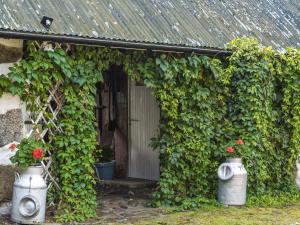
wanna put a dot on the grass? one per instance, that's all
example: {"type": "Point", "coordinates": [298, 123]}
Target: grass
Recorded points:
{"type": "Point", "coordinates": [289, 215]}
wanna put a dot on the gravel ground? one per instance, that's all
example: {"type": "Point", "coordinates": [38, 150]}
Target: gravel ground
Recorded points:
{"type": "Point", "coordinates": [117, 205]}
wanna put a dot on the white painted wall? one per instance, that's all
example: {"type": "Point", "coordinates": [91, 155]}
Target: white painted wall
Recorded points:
{"type": "Point", "coordinates": [4, 67]}
{"type": "Point", "coordinates": [7, 101]}
{"type": "Point", "coordinates": [12, 42]}
{"type": "Point", "coordinates": [6, 153]}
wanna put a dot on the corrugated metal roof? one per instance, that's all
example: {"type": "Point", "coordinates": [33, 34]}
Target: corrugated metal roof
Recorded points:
{"type": "Point", "coordinates": [201, 23]}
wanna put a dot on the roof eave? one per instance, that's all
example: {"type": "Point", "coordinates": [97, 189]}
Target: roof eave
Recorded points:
{"type": "Point", "coordinates": [112, 43]}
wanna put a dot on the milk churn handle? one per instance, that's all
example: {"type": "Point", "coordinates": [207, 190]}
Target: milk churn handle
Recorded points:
{"type": "Point", "coordinates": [225, 172]}
{"type": "Point", "coordinates": [17, 176]}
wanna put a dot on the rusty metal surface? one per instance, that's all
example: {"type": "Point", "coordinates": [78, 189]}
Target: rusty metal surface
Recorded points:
{"type": "Point", "coordinates": [205, 23]}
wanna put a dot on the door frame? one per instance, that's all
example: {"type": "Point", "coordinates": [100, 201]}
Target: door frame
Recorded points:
{"type": "Point", "coordinates": [129, 80]}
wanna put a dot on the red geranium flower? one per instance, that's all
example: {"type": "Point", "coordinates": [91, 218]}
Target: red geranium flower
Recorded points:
{"type": "Point", "coordinates": [239, 142]}
{"type": "Point", "coordinates": [230, 149]}
{"type": "Point", "coordinates": [38, 153]}
{"type": "Point", "coordinates": [12, 146]}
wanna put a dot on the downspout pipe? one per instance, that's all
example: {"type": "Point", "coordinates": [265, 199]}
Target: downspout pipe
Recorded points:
{"type": "Point", "coordinates": [112, 43]}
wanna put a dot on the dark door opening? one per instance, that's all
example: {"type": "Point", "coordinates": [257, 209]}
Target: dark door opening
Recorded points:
{"type": "Point", "coordinates": [112, 117]}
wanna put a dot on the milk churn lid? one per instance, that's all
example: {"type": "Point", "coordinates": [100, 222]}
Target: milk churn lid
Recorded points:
{"type": "Point", "coordinates": [29, 206]}
{"type": "Point", "coordinates": [225, 172]}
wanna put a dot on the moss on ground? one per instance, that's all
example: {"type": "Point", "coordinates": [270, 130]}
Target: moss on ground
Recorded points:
{"type": "Point", "coordinates": [289, 215]}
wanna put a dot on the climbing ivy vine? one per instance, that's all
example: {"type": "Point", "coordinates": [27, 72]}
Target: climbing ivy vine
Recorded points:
{"type": "Point", "coordinates": [291, 107]}
{"type": "Point", "coordinates": [259, 109]}
{"type": "Point", "coordinates": [72, 149]}
{"type": "Point", "coordinates": [252, 75]}
{"type": "Point", "coordinates": [192, 102]}
{"type": "Point", "coordinates": [205, 102]}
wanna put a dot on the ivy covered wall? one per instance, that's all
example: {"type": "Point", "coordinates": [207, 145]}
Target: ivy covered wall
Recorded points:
{"type": "Point", "coordinates": [205, 102]}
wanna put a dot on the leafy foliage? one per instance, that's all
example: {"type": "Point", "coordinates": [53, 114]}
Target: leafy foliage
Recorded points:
{"type": "Point", "coordinates": [103, 154]}
{"type": "Point", "coordinates": [275, 198]}
{"type": "Point", "coordinates": [97, 153]}
{"type": "Point", "coordinates": [252, 73]}
{"type": "Point", "coordinates": [291, 106]}
{"type": "Point", "coordinates": [205, 102]}
{"type": "Point", "coordinates": [234, 148]}
{"type": "Point", "coordinates": [72, 150]}
{"type": "Point", "coordinates": [191, 99]}
{"type": "Point", "coordinates": [23, 157]}
{"type": "Point", "coordinates": [258, 100]}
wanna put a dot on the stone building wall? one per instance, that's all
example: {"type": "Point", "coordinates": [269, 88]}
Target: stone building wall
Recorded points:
{"type": "Point", "coordinates": [11, 117]}
{"type": "Point", "coordinates": [11, 108]}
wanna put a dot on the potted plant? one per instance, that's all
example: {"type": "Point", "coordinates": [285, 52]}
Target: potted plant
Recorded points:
{"type": "Point", "coordinates": [30, 153]}
{"type": "Point", "coordinates": [232, 176]}
{"type": "Point", "coordinates": [30, 188]}
{"type": "Point", "coordinates": [104, 163]}
{"type": "Point", "coordinates": [234, 148]}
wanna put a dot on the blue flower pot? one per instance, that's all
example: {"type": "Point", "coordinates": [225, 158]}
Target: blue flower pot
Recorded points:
{"type": "Point", "coordinates": [105, 171]}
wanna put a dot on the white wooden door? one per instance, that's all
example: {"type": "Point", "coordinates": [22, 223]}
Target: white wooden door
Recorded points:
{"type": "Point", "coordinates": [143, 125]}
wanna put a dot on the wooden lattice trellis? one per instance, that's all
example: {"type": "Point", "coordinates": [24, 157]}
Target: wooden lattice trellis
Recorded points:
{"type": "Point", "coordinates": [44, 121]}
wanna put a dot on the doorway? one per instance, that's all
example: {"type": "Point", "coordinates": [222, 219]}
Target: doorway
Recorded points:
{"type": "Point", "coordinates": [128, 117]}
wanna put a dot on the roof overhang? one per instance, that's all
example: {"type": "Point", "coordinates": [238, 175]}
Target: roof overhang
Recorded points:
{"type": "Point", "coordinates": [112, 43]}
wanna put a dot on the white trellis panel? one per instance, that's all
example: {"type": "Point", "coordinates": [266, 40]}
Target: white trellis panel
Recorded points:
{"type": "Point", "coordinates": [41, 124]}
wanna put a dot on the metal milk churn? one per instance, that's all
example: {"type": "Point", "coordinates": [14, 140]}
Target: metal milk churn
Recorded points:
{"type": "Point", "coordinates": [29, 197]}
{"type": "Point", "coordinates": [232, 182]}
